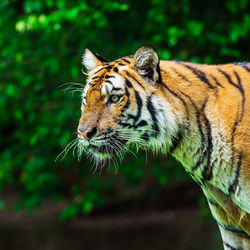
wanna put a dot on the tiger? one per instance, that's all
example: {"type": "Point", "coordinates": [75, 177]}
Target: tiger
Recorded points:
{"type": "Point", "coordinates": [198, 113]}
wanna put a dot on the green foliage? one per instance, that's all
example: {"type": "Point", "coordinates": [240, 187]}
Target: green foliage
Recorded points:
{"type": "Point", "coordinates": [40, 49]}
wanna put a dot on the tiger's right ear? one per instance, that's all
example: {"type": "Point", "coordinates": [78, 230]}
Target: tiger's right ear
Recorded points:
{"type": "Point", "coordinates": [146, 63]}
{"type": "Point", "coordinates": [91, 60]}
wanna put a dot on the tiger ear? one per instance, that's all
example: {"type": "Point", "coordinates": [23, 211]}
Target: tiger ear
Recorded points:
{"type": "Point", "coordinates": [90, 60]}
{"type": "Point", "coordinates": [146, 63]}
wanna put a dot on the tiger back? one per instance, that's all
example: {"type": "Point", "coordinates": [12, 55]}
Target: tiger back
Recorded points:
{"type": "Point", "coordinates": [198, 113]}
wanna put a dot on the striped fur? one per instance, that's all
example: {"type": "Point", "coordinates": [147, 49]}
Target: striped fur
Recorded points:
{"type": "Point", "coordinates": [198, 113]}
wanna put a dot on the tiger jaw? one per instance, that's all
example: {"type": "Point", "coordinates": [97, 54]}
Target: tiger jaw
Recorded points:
{"type": "Point", "coordinates": [117, 145]}
{"type": "Point", "coordinates": [102, 150]}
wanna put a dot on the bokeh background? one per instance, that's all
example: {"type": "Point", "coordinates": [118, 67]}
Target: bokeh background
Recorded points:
{"type": "Point", "coordinates": [150, 202]}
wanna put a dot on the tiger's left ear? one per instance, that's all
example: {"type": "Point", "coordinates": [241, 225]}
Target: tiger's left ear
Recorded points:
{"type": "Point", "coordinates": [146, 63]}
{"type": "Point", "coordinates": [90, 60]}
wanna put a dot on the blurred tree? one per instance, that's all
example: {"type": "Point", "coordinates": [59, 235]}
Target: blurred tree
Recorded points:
{"type": "Point", "coordinates": [40, 48]}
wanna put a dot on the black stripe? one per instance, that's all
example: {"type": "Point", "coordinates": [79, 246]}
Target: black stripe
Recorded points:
{"type": "Point", "coordinates": [130, 116]}
{"type": "Point", "coordinates": [129, 75]}
{"type": "Point", "coordinates": [231, 247]}
{"type": "Point", "coordinates": [235, 230]}
{"type": "Point", "coordinates": [100, 70]}
{"type": "Point", "coordinates": [176, 142]}
{"type": "Point", "coordinates": [108, 81]}
{"type": "Point", "coordinates": [125, 60]}
{"type": "Point", "coordinates": [108, 68]}
{"type": "Point", "coordinates": [100, 58]}
{"type": "Point", "coordinates": [180, 75]}
{"type": "Point", "coordinates": [159, 80]}
{"type": "Point", "coordinates": [108, 76]}
{"type": "Point", "coordinates": [200, 74]}
{"type": "Point", "coordinates": [177, 96]}
{"type": "Point", "coordinates": [124, 124]}
{"type": "Point", "coordinates": [128, 101]}
{"type": "Point", "coordinates": [139, 105]}
{"type": "Point", "coordinates": [241, 110]}
{"type": "Point", "coordinates": [232, 187]}
{"type": "Point", "coordinates": [203, 148]}
{"type": "Point", "coordinates": [246, 68]}
{"type": "Point", "coordinates": [141, 124]}
{"type": "Point", "coordinates": [207, 172]}
{"type": "Point", "coordinates": [239, 86]}
{"type": "Point", "coordinates": [216, 81]}
{"type": "Point", "coordinates": [113, 88]}
{"type": "Point", "coordinates": [236, 123]}
{"type": "Point", "coordinates": [116, 89]}
{"type": "Point", "coordinates": [241, 89]}
{"type": "Point", "coordinates": [228, 77]}
{"type": "Point", "coordinates": [145, 136]}
{"type": "Point", "coordinates": [128, 83]}
{"type": "Point", "coordinates": [212, 202]}
{"type": "Point", "coordinates": [152, 112]}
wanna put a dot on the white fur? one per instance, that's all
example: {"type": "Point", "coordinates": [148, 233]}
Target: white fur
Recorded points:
{"type": "Point", "coordinates": [89, 60]}
{"type": "Point", "coordinates": [233, 240]}
{"type": "Point", "coordinates": [167, 125]}
{"type": "Point", "coordinates": [84, 93]}
{"type": "Point", "coordinates": [116, 82]}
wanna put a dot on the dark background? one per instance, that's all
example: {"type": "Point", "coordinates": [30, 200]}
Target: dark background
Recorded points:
{"type": "Point", "coordinates": [147, 204]}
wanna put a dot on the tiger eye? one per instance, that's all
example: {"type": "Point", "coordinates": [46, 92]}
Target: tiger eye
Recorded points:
{"type": "Point", "coordinates": [114, 98]}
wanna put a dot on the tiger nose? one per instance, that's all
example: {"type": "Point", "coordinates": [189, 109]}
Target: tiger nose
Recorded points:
{"type": "Point", "coordinates": [87, 133]}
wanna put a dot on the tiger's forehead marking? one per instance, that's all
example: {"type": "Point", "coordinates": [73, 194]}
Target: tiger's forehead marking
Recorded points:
{"type": "Point", "coordinates": [106, 85]}
{"type": "Point", "coordinates": [107, 79]}
{"type": "Point", "coordinates": [113, 84]}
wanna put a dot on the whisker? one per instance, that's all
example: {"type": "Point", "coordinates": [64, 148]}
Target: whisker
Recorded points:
{"type": "Point", "coordinates": [85, 73]}
{"type": "Point", "coordinates": [66, 149]}
{"type": "Point", "coordinates": [72, 83]}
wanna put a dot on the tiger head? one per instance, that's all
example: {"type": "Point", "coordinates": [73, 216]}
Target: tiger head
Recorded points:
{"type": "Point", "coordinates": [121, 106]}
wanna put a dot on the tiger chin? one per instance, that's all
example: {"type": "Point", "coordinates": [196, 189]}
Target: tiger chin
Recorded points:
{"type": "Point", "coordinates": [198, 113]}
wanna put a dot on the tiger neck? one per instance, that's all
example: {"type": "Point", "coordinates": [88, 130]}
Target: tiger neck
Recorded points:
{"type": "Point", "coordinates": [189, 144]}
{"type": "Point", "coordinates": [180, 137]}
{"type": "Point", "coordinates": [201, 148]}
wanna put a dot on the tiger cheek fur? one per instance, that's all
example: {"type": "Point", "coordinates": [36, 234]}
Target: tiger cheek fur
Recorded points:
{"type": "Point", "coordinates": [198, 113]}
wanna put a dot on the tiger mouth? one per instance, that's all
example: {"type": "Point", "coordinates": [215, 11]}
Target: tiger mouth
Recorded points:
{"type": "Point", "coordinates": [109, 148]}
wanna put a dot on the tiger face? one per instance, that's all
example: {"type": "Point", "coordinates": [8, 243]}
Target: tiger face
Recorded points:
{"type": "Point", "coordinates": [119, 107]}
